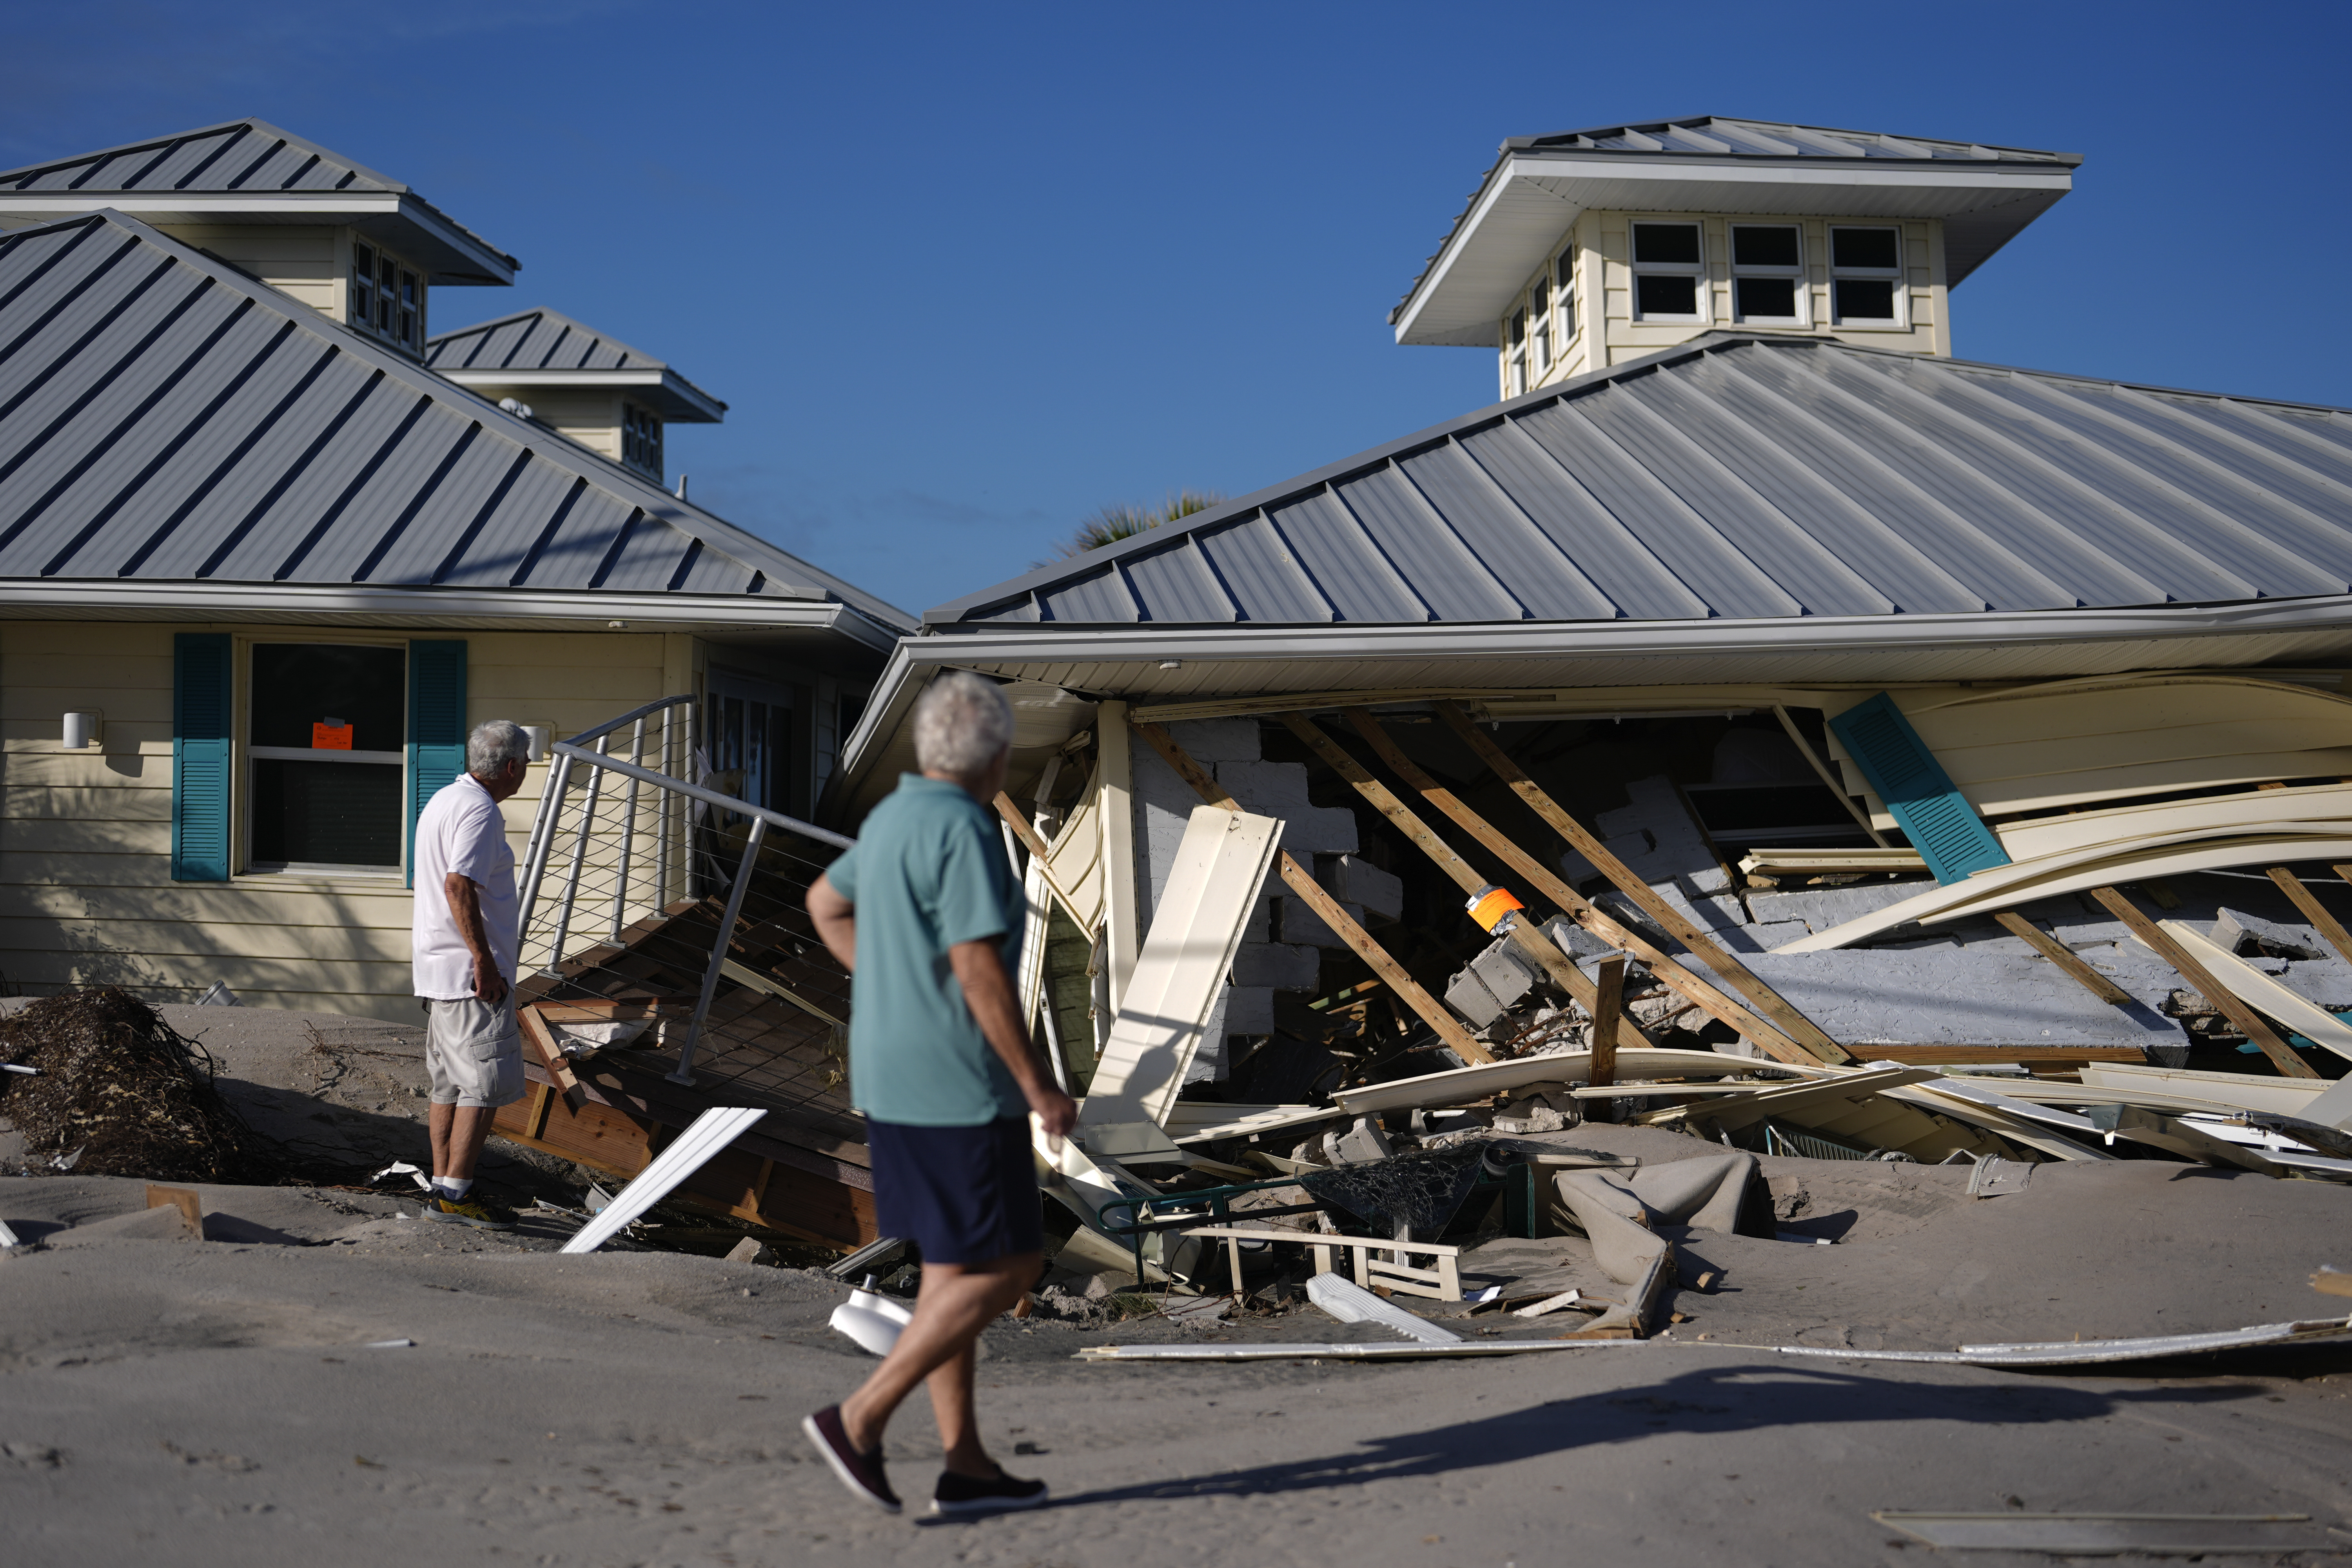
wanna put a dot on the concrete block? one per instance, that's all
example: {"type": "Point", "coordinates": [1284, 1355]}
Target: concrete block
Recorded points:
{"type": "Point", "coordinates": [1678, 848]}
{"type": "Point", "coordinates": [1354, 880]}
{"type": "Point", "coordinates": [2249, 936]}
{"type": "Point", "coordinates": [1270, 789]}
{"type": "Point", "coordinates": [1361, 1144]}
{"type": "Point", "coordinates": [1259, 927]}
{"type": "Point", "coordinates": [1770, 934]}
{"type": "Point", "coordinates": [1249, 1010]}
{"type": "Point", "coordinates": [1574, 940]}
{"type": "Point", "coordinates": [1506, 972]}
{"type": "Point", "coordinates": [1297, 922]}
{"type": "Point", "coordinates": [1471, 1001]}
{"type": "Point", "coordinates": [1952, 995]}
{"type": "Point", "coordinates": [1281, 965]}
{"type": "Point", "coordinates": [1318, 830]}
{"type": "Point", "coordinates": [1212, 741]}
{"type": "Point", "coordinates": [1821, 908]}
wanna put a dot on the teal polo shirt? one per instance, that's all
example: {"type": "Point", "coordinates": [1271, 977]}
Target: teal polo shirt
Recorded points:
{"type": "Point", "coordinates": [929, 871]}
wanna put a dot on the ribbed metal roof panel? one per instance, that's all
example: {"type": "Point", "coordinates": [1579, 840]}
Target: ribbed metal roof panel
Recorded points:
{"type": "Point", "coordinates": [537, 339]}
{"type": "Point", "coordinates": [238, 155]}
{"type": "Point", "coordinates": [1180, 583]}
{"type": "Point", "coordinates": [168, 419]}
{"type": "Point", "coordinates": [1755, 477]}
{"type": "Point", "coordinates": [1098, 596]}
{"type": "Point", "coordinates": [1715, 135]}
{"type": "Point", "coordinates": [1255, 565]}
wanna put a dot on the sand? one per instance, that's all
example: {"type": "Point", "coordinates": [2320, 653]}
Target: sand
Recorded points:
{"type": "Point", "coordinates": [218, 1401]}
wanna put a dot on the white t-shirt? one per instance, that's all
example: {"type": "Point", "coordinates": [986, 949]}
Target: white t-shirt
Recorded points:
{"type": "Point", "coordinates": [462, 830]}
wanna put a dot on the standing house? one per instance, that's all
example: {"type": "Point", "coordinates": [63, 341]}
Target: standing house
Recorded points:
{"type": "Point", "coordinates": [269, 545]}
{"type": "Point", "coordinates": [1737, 487]}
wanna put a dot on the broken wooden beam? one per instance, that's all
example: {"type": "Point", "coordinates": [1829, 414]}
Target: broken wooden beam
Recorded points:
{"type": "Point", "coordinates": [1733, 972]}
{"type": "Point", "coordinates": [1608, 986]}
{"type": "Point", "coordinates": [1432, 1011]}
{"type": "Point", "coordinates": [2307, 902]}
{"type": "Point", "coordinates": [2065, 958]}
{"type": "Point", "coordinates": [1191, 773]}
{"type": "Point", "coordinates": [1577, 907]}
{"type": "Point", "coordinates": [2201, 980]}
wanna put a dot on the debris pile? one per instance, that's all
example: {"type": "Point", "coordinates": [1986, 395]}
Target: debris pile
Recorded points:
{"type": "Point", "coordinates": [116, 1091]}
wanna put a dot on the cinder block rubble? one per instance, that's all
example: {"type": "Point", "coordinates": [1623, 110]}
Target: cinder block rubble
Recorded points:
{"type": "Point", "coordinates": [1355, 880]}
{"type": "Point", "coordinates": [1299, 922]}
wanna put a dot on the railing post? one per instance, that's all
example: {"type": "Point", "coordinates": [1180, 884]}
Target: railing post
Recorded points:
{"type": "Point", "coordinates": [579, 855]}
{"type": "Point", "coordinates": [542, 837]}
{"type": "Point", "coordinates": [670, 802]}
{"type": "Point", "coordinates": [743, 870]}
{"type": "Point", "coordinates": [628, 833]}
{"type": "Point", "coordinates": [686, 772]}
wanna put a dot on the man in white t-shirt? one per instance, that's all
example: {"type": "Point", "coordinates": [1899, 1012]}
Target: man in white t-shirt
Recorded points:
{"type": "Point", "coordinates": [466, 937]}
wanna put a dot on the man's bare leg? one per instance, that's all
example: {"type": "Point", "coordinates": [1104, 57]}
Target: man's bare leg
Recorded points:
{"type": "Point", "coordinates": [957, 1302]}
{"type": "Point", "coordinates": [457, 1133]}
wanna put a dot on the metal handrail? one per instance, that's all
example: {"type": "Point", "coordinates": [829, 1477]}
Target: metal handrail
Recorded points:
{"type": "Point", "coordinates": [708, 796]}
{"type": "Point", "coordinates": [609, 725]}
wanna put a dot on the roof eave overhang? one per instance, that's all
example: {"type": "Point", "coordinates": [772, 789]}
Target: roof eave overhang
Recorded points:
{"type": "Point", "coordinates": [401, 219]}
{"type": "Point", "coordinates": [361, 605]}
{"type": "Point", "coordinates": [664, 391]}
{"type": "Point", "coordinates": [1530, 198]}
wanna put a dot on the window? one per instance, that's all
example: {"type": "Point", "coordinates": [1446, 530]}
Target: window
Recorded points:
{"type": "Point", "coordinates": [387, 297]}
{"type": "Point", "coordinates": [1768, 272]}
{"type": "Point", "coordinates": [1515, 379]}
{"type": "Point", "coordinates": [1540, 309]}
{"type": "Point", "coordinates": [1667, 266]}
{"type": "Point", "coordinates": [327, 737]}
{"type": "Point", "coordinates": [641, 439]}
{"type": "Point", "coordinates": [752, 741]}
{"type": "Point", "coordinates": [1563, 273]}
{"type": "Point", "coordinates": [1866, 276]}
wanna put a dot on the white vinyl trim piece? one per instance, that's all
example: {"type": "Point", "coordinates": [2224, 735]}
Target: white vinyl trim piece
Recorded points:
{"type": "Point", "coordinates": [1219, 870]}
{"type": "Point", "coordinates": [2071, 1353]}
{"type": "Point", "coordinates": [2236, 1090]}
{"type": "Point", "coordinates": [2328, 806]}
{"type": "Point", "coordinates": [1462, 1085]}
{"type": "Point", "coordinates": [2261, 993]}
{"type": "Point", "coordinates": [708, 1135]}
{"type": "Point", "coordinates": [1351, 1304]}
{"type": "Point", "coordinates": [1344, 1351]}
{"type": "Point", "coordinates": [1122, 906]}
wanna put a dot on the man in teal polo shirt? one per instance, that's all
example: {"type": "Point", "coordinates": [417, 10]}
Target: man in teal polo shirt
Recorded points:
{"type": "Point", "coordinates": [925, 915]}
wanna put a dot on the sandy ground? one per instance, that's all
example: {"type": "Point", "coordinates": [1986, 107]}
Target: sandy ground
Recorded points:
{"type": "Point", "coordinates": [224, 1402]}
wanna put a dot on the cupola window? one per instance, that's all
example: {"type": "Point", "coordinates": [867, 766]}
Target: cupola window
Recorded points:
{"type": "Point", "coordinates": [641, 439]}
{"type": "Point", "coordinates": [1668, 261]}
{"type": "Point", "coordinates": [387, 297]}
{"type": "Point", "coordinates": [1865, 276]}
{"type": "Point", "coordinates": [1767, 273]}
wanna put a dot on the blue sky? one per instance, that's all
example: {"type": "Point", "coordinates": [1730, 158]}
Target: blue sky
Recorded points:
{"type": "Point", "coordinates": [966, 274]}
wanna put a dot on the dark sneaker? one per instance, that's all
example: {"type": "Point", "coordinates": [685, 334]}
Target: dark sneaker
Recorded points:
{"type": "Point", "coordinates": [962, 1494]}
{"type": "Point", "coordinates": [479, 1213]}
{"type": "Point", "coordinates": [861, 1473]}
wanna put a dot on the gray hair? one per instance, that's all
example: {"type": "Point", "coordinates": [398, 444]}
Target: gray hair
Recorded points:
{"type": "Point", "coordinates": [962, 724]}
{"type": "Point", "coordinates": [494, 744]}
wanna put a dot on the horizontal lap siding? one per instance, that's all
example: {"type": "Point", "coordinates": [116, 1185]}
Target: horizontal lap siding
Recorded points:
{"type": "Point", "coordinates": [86, 893]}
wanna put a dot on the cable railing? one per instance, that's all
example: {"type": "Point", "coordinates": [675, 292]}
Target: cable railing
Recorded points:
{"type": "Point", "coordinates": [654, 898]}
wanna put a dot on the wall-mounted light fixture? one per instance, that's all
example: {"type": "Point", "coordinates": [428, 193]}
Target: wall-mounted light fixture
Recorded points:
{"type": "Point", "coordinates": [84, 729]}
{"type": "Point", "coordinates": [539, 734]}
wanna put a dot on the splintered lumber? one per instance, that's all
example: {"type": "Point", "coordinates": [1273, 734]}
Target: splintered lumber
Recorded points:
{"type": "Point", "coordinates": [1531, 942]}
{"type": "Point", "coordinates": [1190, 771]}
{"type": "Point", "coordinates": [2201, 981]}
{"type": "Point", "coordinates": [1432, 1011]}
{"type": "Point", "coordinates": [2304, 899]}
{"type": "Point", "coordinates": [2332, 1281]}
{"type": "Point", "coordinates": [551, 1055]}
{"type": "Point", "coordinates": [2258, 990]}
{"type": "Point", "coordinates": [2064, 957]}
{"type": "Point", "coordinates": [1578, 908]}
{"type": "Point", "coordinates": [1776, 862]}
{"type": "Point", "coordinates": [1041, 858]}
{"type": "Point", "coordinates": [1837, 786]}
{"type": "Point", "coordinates": [1608, 986]}
{"type": "Point", "coordinates": [1733, 974]}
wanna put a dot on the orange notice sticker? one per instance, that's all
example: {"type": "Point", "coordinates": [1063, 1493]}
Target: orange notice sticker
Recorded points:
{"type": "Point", "coordinates": [332, 735]}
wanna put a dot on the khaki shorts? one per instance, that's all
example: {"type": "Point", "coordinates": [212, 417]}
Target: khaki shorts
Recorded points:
{"type": "Point", "coordinates": [473, 1052]}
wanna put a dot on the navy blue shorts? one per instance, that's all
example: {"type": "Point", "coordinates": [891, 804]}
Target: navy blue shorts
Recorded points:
{"type": "Point", "coordinates": [963, 1194]}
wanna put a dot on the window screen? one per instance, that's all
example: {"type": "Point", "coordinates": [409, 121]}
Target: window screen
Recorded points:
{"type": "Point", "coordinates": [1866, 299]}
{"type": "Point", "coordinates": [1766, 298]}
{"type": "Point", "coordinates": [327, 724]}
{"type": "Point", "coordinates": [1665, 294]}
{"type": "Point", "coordinates": [1666, 244]}
{"type": "Point", "coordinates": [1865, 248]}
{"type": "Point", "coordinates": [1762, 245]}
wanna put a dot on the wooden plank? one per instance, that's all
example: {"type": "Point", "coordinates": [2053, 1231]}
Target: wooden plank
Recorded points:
{"type": "Point", "coordinates": [602, 1010]}
{"type": "Point", "coordinates": [2201, 980]}
{"type": "Point", "coordinates": [1041, 858]}
{"type": "Point", "coordinates": [1608, 986]}
{"type": "Point", "coordinates": [1577, 907]}
{"type": "Point", "coordinates": [551, 1055]}
{"type": "Point", "coordinates": [1529, 941]}
{"type": "Point", "coordinates": [1190, 771]}
{"type": "Point", "coordinates": [1432, 1012]}
{"type": "Point", "coordinates": [2304, 899]}
{"type": "Point", "coordinates": [2264, 993]}
{"type": "Point", "coordinates": [1733, 974]}
{"type": "Point", "coordinates": [2065, 958]}
{"type": "Point", "coordinates": [535, 1118]}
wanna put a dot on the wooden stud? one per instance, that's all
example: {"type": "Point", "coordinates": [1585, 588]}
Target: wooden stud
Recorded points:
{"type": "Point", "coordinates": [1608, 986]}
{"type": "Point", "coordinates": [1433, 1012]}
{"type": "Point", "coordinates": [2065, 958]}
{"type": "Point", "coordinates": [1580, 909]}
{"type": "Point", "coordinates": [186, 1199]}
{"type": "Point", "coordinates": [535, 1119]}
{"type": "Point", "coordinates": [2201, 980]}
{"type": "Point", "coordinates": [550, 1056]}
{"type": "Point", "coordinates": [1041, 857]}
{"type": "Point", "coordinates": [2304, 899]}
{"type": "Point", "coordinates": [1534, 943]}
{"type": "Point", "coordinates": [1190, 771]}
{"type": "Point", "coordinates": [1733, 974]}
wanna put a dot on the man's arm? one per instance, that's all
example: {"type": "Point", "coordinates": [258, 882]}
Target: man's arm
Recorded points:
{"type": "Point", "coordinates": [466, 907]}
{"type": "Point", "coordinates": [836, 919]}
{"type": "Point", "coordinates": [988, 991]}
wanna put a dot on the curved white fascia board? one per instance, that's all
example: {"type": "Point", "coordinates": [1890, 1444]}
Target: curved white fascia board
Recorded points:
{"type": "Point", "coordinates": [1558, 174]}
{"type": "Point", "coordinates": [64, 599]}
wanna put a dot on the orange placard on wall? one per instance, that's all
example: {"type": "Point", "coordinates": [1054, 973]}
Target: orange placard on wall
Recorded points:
{"type": "Point", "coordinates": [331, 735]}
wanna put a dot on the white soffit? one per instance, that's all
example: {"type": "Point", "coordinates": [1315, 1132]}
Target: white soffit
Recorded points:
{"type": "Point", "coordinates": [1529, 202]}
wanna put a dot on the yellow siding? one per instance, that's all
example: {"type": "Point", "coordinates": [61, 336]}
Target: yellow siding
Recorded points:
{"type": "Point", "coordinates": [85, 894]}
{"type": "Point", "coordinates": [301, 261]}
{"type": "Point", "coordinates": [589, 416]}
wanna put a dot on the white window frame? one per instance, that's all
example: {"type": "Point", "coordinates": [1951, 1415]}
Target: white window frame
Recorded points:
{"type": "Point", "coordinates": [1563, 296]}
{"type": "Point", "coordinates": [249, 753]}
{"type": "Point", "coordinates": [1543, 352]}
{"type": "Point", "coordinates": [1702, 294]}
{"type": "Point", "coordinates": [1898, 274]}
{"type": "Point", "coordinates": [376, 290]}
{"type": "Point", "coordinates": [1515, 351]}
{"type": "Point", "coordinates": [651, 435]}
{"type": "Point", "coordinates": [1803, 295]}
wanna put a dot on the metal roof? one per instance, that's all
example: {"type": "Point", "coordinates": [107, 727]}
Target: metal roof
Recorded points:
{"type": "Point", "coordinates": [249, 171]}
{"type": "Point", "coordinates": [165, 418]}
{"type": "Point", "coordinates": [1755, 478]}
{"type": "Point", "coordinates": [1984, 194]}
{"type": "Point", "coordinates": [546, 348]}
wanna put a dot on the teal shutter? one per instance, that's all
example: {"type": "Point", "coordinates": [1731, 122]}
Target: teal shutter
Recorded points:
{"type": "Point", "coordinates": [201, 704]}
{"type": "Point", "coordinates": [1938, 820]}
{"type": "Point", "coordinates": [436, 729]}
